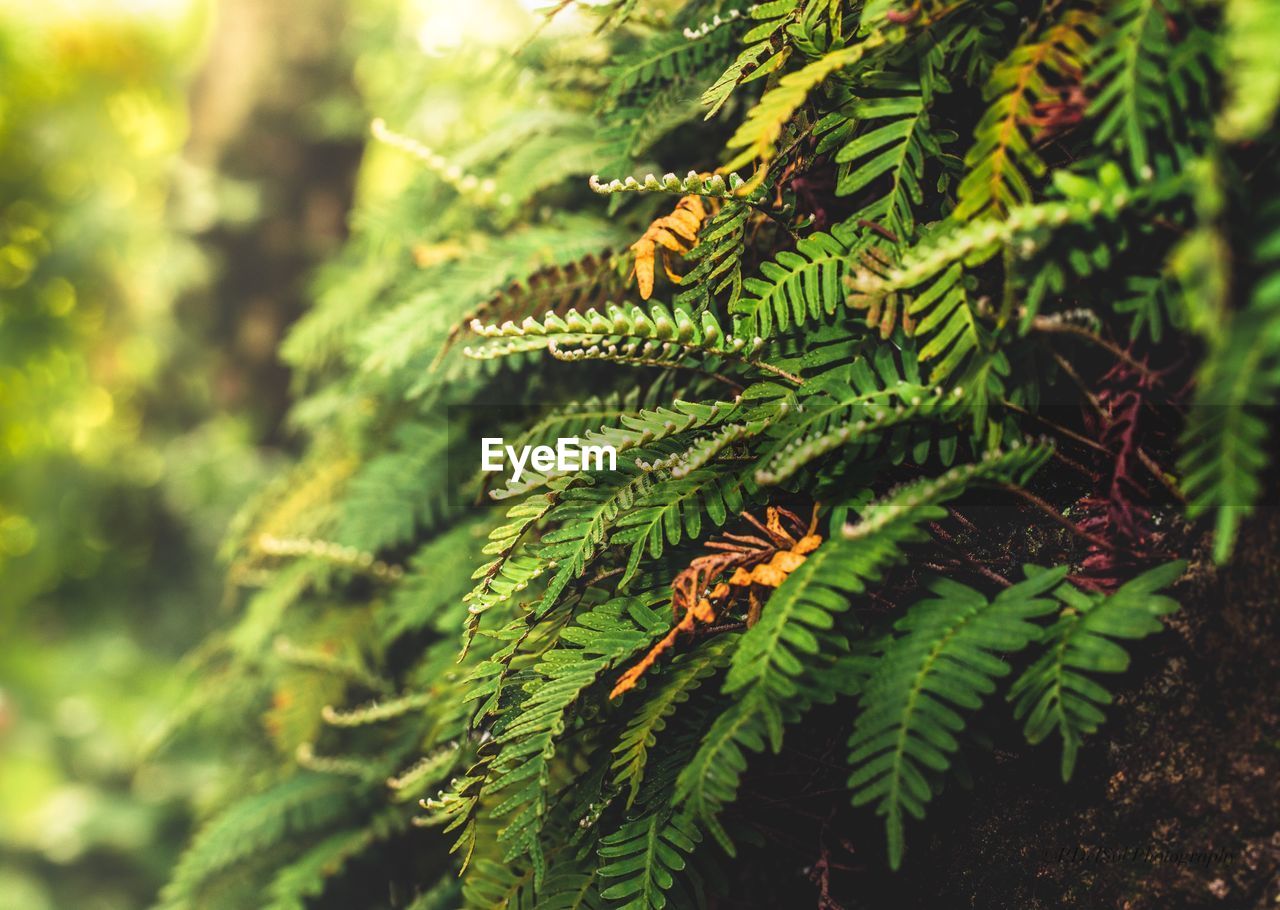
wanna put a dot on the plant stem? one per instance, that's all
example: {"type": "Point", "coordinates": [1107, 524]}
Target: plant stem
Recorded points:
{"type": "Point", "coordinates": [1056, 516]}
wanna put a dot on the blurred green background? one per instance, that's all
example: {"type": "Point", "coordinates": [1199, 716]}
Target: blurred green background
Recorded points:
{"type": "Point", "coordinates": [171, 172]}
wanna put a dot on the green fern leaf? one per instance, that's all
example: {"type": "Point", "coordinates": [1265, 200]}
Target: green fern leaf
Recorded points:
{"type": "Point", "coordinates": [1054, 692]}
{"type": "Point", "coordinates": [1225, 440]}
{"type": "Point", "coordinates": [1150, 83]}
{"type": "Point", "coordinates": [644, 855]}
{"type": "Point", "coordinates": [944, 659]}
{"type": "Point", "coordinates": [290, 810]}
{"type": "Point", "coordinates": [1002, 161]}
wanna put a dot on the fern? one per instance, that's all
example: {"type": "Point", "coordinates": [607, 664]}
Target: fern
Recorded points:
{"type": "Point", "coordinates": [798, 287]}
{"type": "Point", "coordinates": [1002, 161]}
{"type": "Point", "coordinates": [677, 684]}
{"type": "Point", "coordinates": [1250, 72]}
{"type": "Point", "coordinates": [758, 134]}
{"type": "Point", "coordinates": [893, 152]}
{"type": "Point", "coordinates": [293, 808]}
{"type": "Point", "coordinates": [1148, 82]}
{"type": "Point", "coordinates": [1054, 692]}
{"type": "Point", "coordinates": [717, 258]}
{"type": "Point", "coordinates": [674, 511]}
{"type": "Point", "coordinates": [664, 58]}
{"type": "Point", "coordinates": [520, 771]}
{"type": "Point", "coordinates": [764, 53]}
{"type": "Point", "coordinates": [856, 327]}
{"type": "Point", "coordinates": [793, 657]}
{"type": "Point", "coordinates": [645, 854]}
{"type": "Point", "coordinates": [306, 877]}
{"type": "Point", "coordinates": [1224, 444]}
{"type": "Point", "coordinates": [945, 659]}
{"type": "Point", "coordinates": [859, 410]}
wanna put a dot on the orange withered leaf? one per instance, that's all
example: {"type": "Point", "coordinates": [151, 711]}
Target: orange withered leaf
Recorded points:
{"type": "Point", "coordinates": [674, 233]}
{"type": "Point", "coordinates": [757, 562]}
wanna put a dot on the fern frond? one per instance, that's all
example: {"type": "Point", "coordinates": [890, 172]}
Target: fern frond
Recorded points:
{"type": "Point", "coordinates": [508, 574]}
{"type": "Point", "coordinates": [578, 284]}
{"type": "Point", "coordinates": [429, 594]}
{"type": "Point", "coordinates": [940, 316]}
{"type": "Point", "coordinates": [519, 774]}
{"type": "Point", "coordinates": [894, 142]}
{"type": "Point", "coordinates": [676, 684]}
{"type": "Point", "coordinates": [667, 57]}
{"type": "Point", "coordinates": [498, 885]}
{"type": "Point", "coordinates": [776, 692]}
{"type": "Point", "coordinates": [717, 258]}
{"type": "Point", "coordinates": [758, 135]}
{"type": "Point", "coordinates": [794, 657]}
{"type": "Point", "coordinates": [944, 659]}
{"type": "Point", "coordinates": [382, 506]}
{"type": "Point", "coordinates": [1253, 80]}
{"type": "Point", "coordinates": [658, 333]}
{"type": "Point", "coordinates": [715, 186]}
{"type": "Point", "coordinates": [411, 332]}
{"type": "Point", "coordinates": [325, 659]}
{"type": "Point", "coordinates": [673, 233]}
{"type": "Point", "coordinates": [761, 40]}
{"type": "Point", "coordinates": [631, 130]}
{"type": "Point", "coordinates": [1054, 692]}
{"type": "Point", "coordinates": [289, 810]}
{"type": "Point", "coordinates": [860, 418]}
{"type": "Point", "coordinates": [1153, 301]}
{"type": "Point", "coordinates": [1224, 445]}
{"type": "Point", "coordinates": [798, 286]}
{"type": "Point", "coordinates": [642, 857]}
{"type": "Point", "coordinates": [1002, 161]}
{"type": "Point", "coordinates": [424, 772]}
{"type": "Point", "coordinates": [306, 877]}
{"type": "Point", "coordinates": [920, 501]}
{"type": "Point", "coordinates": [480, 191]}
{"type": "Point", "coordinates": [673, 512]}
{"type": "Point", "coordinates": [375, 712]}
{"type": "Point", "coordinates": [1149, 80]}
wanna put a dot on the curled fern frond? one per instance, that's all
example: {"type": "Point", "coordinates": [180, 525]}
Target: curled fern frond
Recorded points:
{"type": "Point", "coordinates": [375, 712]}
{"type": "Point", "coordinates": [424, 772]}
{"type": "Point", "coordinates": [715, 186]}
{"type": "Point", "coordinates": [482, 190]}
